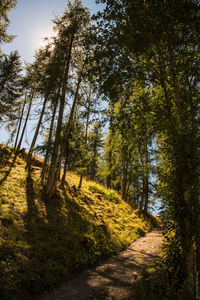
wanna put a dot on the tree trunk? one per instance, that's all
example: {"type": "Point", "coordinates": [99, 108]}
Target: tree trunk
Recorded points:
{"type": "Point", "coordinates": [25, 123]}
{"type": "Point", "coordinates": [80, 182]}
{"type": "Point", "coordinates": [189, 263]}
{"type": "Point", "coordinates": [109, 176]}
{"type": "Point", "coordinates": [52, 177]}
{"type": "Point", "coordinates": [93, 163]}
{"type": "Point", "coordinates": [20, 122]}
{"type": "Point", "coordinates": [108, 179]}
{"type": "Point", "coordinates": [30, 153]}
{"type": "Point", "coordinates": [44, 168]}
{"type": "Point", "coordinates": [146, 178]}
{"type": "Point", "coordinates": [142, 196]}
{"type": "Point", "coordinates": [124, 176]}
{"type": "Point", "coordinates": [66, 162]}
{"type": "Point", "coordinates": [128, 184]}
{"type": "Point", "coordinates": [86, 130]}
{"type": "Point", "coordinates": [68, 129]}
{"type": "Point", "coordinates": [187, 196]}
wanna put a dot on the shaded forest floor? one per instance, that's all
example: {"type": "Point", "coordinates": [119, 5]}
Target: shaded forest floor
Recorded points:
{"type": "Point", "coordinates": [115, 278]}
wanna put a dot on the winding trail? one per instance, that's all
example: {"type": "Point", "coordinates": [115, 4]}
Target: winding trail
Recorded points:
{"type": "Point", "coordinates": [111, 280]}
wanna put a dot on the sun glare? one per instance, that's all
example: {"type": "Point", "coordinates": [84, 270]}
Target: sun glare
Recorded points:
{"type": "Point", "coordinates": [41, 38]}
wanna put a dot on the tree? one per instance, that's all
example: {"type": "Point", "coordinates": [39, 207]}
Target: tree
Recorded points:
{"type": "Point", "coordinates": [70, 28]}
{"type": "Point", "coordinates": [161, 50]}
{"type": "Point", "coordinates": [94, 146]}
{"type": "Point", "coordinates": [44, 76]}
{"type": "Point", "coordinates": [6, 6]}
{"type": "Point", "coordinates": [10, 86]}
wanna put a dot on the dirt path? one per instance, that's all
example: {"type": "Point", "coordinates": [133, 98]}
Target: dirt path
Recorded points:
{"type": "Point", "coordinates": [111, 280]}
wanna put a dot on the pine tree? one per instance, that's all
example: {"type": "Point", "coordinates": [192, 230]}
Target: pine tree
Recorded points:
{"type": "Point", "coordinates": [5, 7]}
{"type": "Point", "coordinates": [70, 28]}
{"type": "Point", "coordinates": [10, 85]}
{"type": "Point", "coordinates": [44, 73]}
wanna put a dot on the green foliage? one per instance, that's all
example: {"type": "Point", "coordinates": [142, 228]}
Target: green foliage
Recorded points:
{"type": "Point", "coordinates": [161, 53]}
{"type": "Point", "coordinates": [6, 6]}
{"type": "Point", "coordinates": [159, 281]}
{"type": "Point", "coordinates": [156, 285]}
{"type": "Point", "coordinates": [10, 85]}
{"type": "Point", "coordinates": [172, 252]}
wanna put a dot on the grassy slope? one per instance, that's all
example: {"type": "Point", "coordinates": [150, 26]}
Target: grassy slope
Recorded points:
{"type": "Point", "coordinates": [41, 242]}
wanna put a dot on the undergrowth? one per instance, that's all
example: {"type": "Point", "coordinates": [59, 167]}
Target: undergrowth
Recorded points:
{"type": "Point", "coordinates": [157, 283]}
{"type": "Point", "coordinates": [42, 242]}
{"type": "Point", "coordinates": [163, 280]}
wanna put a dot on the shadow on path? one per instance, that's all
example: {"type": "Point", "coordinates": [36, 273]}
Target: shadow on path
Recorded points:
{"type": "Point", "coordinates": [4, 162]}
{"type": "Point", "coordinates": [114, 278]}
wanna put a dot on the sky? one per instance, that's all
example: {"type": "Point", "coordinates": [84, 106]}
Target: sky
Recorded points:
{"type": "Point", "coordinates": [31, 22]}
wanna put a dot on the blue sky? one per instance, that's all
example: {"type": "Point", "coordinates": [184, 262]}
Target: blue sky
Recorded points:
{"type": "Point", "coordinates": [31, 21]}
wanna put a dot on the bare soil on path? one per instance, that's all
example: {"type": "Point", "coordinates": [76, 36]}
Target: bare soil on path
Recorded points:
{"type": "Point", "coordinates": [112, 279]}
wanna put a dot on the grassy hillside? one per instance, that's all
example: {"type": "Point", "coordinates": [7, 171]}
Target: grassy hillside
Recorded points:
{"type": "Point", "coordinates": [43, 242]}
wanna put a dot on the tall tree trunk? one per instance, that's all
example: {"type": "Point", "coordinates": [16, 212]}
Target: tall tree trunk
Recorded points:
{"type": "Point", "coordinates": [137, 193]}
{"type": "Point", "coordinates": [146, 194]}
{"type": "Point", "coordinates": [68, 129]}
{"type": "Point", "coordinates": [80, 182]}
{"type": "Point", "coordinates": [187, 202]}
{"type": "Point", "coordinates": [124, 174]}
{"type": "Point", "coordinates": [25, 123]}
{"type": "Point", "coordinates": [146, 178]}
{"type": "Point", "coordinates": [128, 183]}
{"type": "Point", "coordinates": [109, 158]}
{"type": "Point", "coordinates": [189, 260]}
{"type": "Point", "coordinates": [86, 131]}
{"type": "Point", "coordinates": [44, 168]}
{"type": "Point", "coordinates": [142, 196]}
{"type": "Point", "coordinates": [52, 178]}
{"type": "Point", "coordinates": [30, 153]}
{"type": "Point", "coordinates": [143, 154]}
{"type": "Point", "coordinates": [108, 179]}
{"type": "Point", "coordinates": [20, 122]}
{"type": "Point", "coordinates": [93, 163]}
{"type": "Point", "coordinates": [66, 162]}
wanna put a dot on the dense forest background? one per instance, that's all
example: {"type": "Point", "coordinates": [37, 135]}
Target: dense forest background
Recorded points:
{"type": "Point", "coordinates": [115, 97]}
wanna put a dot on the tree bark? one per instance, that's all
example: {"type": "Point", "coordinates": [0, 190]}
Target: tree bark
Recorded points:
{"type": "Point", "coordinates": [68, 129]}
{"type": "Point", "coordinates": [30, 153]}
{"type": "Point", "coordinates": [124, 174]}
{"type": "Point", "coordinates": [142, 197]}
{"type": "Point", "coordinates": [25, 123]}
{"type": "Point", "coordinates": [109, 159]}
{"type": "Point", "coordinates": [44, 168]}
{"type": "Point", "coordinates": [80, 182]}
{"type": "Point", "coordinates": [146, 178]}
{"type": "Point", "coordinates": [20, 122]}
{"type": "Point", "coordinates": [86, 131]}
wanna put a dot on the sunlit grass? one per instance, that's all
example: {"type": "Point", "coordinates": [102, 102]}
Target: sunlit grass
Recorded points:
{"type": "Point", "coordinates": [42, 242]}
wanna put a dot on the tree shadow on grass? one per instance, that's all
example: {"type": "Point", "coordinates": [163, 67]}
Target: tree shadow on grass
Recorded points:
{"type": "Point", "coordinates": [30, 195]}
{"type": "Point", "coordinates": [5, 155]}
{"type": "Point", "coordinates": [61, 237]}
